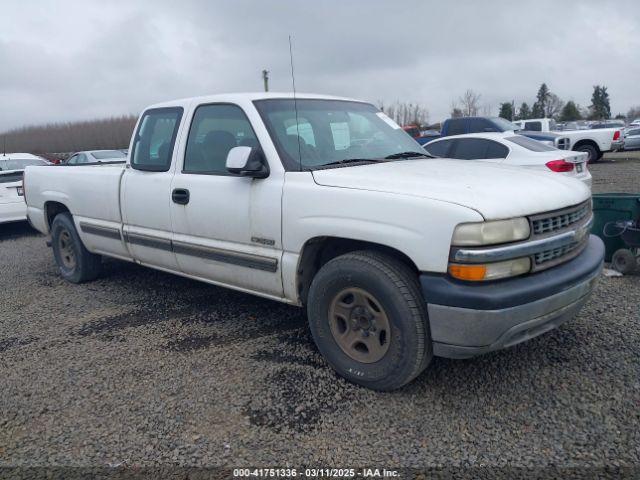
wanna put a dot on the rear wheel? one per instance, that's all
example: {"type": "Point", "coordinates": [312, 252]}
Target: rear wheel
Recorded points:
{"type": "Point", "coordinates": [75, 262]}
{"type": "Point", "coordinates": [369, 321]}
{"type": "Point", "coordinates": [592, 152]}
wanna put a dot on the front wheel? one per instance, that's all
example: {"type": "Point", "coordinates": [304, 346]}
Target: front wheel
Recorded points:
{"type": "Point", "coordinates": [75, 262]}
{"type": "Point", "coordinates": [369, 321]}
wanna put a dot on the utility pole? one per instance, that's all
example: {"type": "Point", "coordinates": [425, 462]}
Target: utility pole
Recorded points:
{"type": "Point", "coordinates": [265, 79]}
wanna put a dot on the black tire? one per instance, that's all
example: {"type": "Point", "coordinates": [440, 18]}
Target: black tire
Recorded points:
{"type": "Point", "coordinates": [74, 261]}
{"type": "Point", "coordinates": [395, 286]}
{"type": "Point", "coordinates": [593, 152]}
{"type": "Point", "coordinates": [624, 261]}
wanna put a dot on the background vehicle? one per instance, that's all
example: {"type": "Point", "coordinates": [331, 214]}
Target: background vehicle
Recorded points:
{"type": "Point", "coordinates": [465, 125]}
{"type": "Point", "coordinates": [510, 149]}
{"type": "Point", "coordinates": [326, 203]}
{"type": "Point", "coordinates": [96, 156]}
{"type": "Point", "coordinates": [632, 138]}
{"type": "Point", "coordinates": [595, 142]}
{"type": "Point", "coordinates": [421, 136]}
{"type": "Point", "coordinates": [12, 165]}
{"type": "Point", "coordinates": [608, 124]}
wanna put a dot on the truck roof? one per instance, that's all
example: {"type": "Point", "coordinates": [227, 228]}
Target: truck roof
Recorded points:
{"type": "Point", "coordinates": [248, 96]}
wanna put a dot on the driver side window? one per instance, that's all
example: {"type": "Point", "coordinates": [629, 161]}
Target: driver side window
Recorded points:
{"type": "Point", "coordinates": [215, 130]}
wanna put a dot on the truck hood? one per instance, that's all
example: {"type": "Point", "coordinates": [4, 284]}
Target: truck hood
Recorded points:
{"type": "Point", "coordinates": [495, 191]}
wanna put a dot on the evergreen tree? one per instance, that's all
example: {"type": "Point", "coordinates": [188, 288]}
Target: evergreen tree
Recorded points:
{"type": "Point", "coordinates": [506, 110]}
{"type": "Point", "coordinates": [537, 111]}
{"type": "Point", "coordinates": [570, 112]}
{"type": "Point", "coordinates": [600, 107]}
{"type": "Point", "coordinates": [524, 112]}
{"type": "Point", "coordinates": [542, 101]}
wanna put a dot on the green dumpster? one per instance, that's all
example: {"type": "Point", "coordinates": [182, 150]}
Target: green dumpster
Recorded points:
{"type": "Point", "coordinates": [611, 207]}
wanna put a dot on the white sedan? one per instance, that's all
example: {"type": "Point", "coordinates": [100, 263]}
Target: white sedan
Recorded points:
{"type": "Point", "coordinates": [95, 157]}
{"type": "Point", "coordinates": [510, 149]}
{"type": "Point", "coordinates": [12, 165]}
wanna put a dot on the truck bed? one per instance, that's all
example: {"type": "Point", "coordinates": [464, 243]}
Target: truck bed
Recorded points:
{"type": "Point", "coordinates": [89, 192]}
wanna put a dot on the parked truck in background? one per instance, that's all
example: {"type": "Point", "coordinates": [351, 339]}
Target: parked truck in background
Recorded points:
{"type": "Point", "coordinates": [595, 142]}
{"type": "Point", "coordinates": [325, 203]}
{"type": "Point", "coordinates": [466, 125]}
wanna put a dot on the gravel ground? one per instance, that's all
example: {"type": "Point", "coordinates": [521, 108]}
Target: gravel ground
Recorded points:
{"type": "Point", "coordinates": [617, 172]}
{"type": "Point", "coordinates": [150, 369]}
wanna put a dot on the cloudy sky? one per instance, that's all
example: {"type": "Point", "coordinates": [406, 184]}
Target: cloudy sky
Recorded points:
{"type": "Point", "coordinates": [67, 60]}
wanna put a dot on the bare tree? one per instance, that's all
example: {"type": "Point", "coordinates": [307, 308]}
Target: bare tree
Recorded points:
{"type": "Point", "coordinates": [470, 103]}
{"type": "Point", "coordinates": [633, 113]}
{"type": "Point", "coordinates": [553, 107]}
{"type": "Point", "coordinates": [406, 113]}
{"type": "Point", "coordinates": [108, 133]}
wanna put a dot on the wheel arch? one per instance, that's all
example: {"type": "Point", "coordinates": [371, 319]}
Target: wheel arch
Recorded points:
{"type": "Point", "coordinates": [317, 251]}
{"type": "Point", "coordinates": [589, 142]}
{"type": "Point", "coordinates": [53, 208]}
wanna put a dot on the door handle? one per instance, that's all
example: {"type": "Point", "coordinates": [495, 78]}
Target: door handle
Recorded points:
{"type": "Point", "coordinates": [180, 196]}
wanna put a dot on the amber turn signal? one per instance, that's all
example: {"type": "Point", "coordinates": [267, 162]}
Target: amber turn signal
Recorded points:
{"type": "Point", "coordinates": [468, 272]}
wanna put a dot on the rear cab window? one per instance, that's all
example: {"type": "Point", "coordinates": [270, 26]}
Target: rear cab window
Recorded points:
{"type": "Point", "coordinates": [533, 126]}
{"type": "Point", "coordinates": [479, 125]}
{"type": "Point", "coordinates": [456, 126]}
{"type": "Point", "coordinates": [155, 138]}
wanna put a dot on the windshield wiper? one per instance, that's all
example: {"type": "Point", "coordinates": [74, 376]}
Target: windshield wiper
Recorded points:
{"type": "Point", "coordinates": [393, 156]}
{"type": "Point", "coordinates": [351, 160]}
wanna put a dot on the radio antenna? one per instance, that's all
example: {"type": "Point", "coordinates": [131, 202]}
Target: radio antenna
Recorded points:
{"type": "Point", "coordinates": [295, 104]}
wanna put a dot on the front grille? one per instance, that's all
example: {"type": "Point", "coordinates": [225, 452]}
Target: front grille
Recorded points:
{"type": "Point", "coordinates": [549, 255]}
{"type": "Point", "coordinates": [554, 222]}
{"type": "Point", "coordinates": [563, 143]}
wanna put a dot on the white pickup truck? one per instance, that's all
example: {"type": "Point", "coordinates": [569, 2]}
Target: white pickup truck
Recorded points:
{"type": "Point", "coordinates": [595, 142]}
{"type": "Point", "coordinates": [326, 203]}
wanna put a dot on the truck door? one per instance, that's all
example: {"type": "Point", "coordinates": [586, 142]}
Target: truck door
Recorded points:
{"type": "Point", "coordinates": [146, 189]}
{"type": "Point", "coordinates": [227, 228]}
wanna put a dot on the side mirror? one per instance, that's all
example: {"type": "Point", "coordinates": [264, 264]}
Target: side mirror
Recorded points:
{"type": "Point", "coordinates": [247, 162]}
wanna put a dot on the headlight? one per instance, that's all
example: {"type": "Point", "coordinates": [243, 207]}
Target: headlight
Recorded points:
{"type": "Point", "coordinates": [490, 271]}
{"type": "Point", "coordinates": [490, 233]}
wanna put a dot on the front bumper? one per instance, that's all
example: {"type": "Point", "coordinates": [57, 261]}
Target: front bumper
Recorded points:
{"type": "Point", "coordinates": [472, 319]}
{"type": "Point", "coordinates": [13, 212]}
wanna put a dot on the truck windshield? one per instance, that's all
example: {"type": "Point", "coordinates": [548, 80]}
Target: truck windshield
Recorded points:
{"type": "Point", "coordinates": [333, 132]}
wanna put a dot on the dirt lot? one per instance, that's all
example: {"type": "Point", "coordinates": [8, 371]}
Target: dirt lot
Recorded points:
{"type": "Point", "coordinates": [147, 368]}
